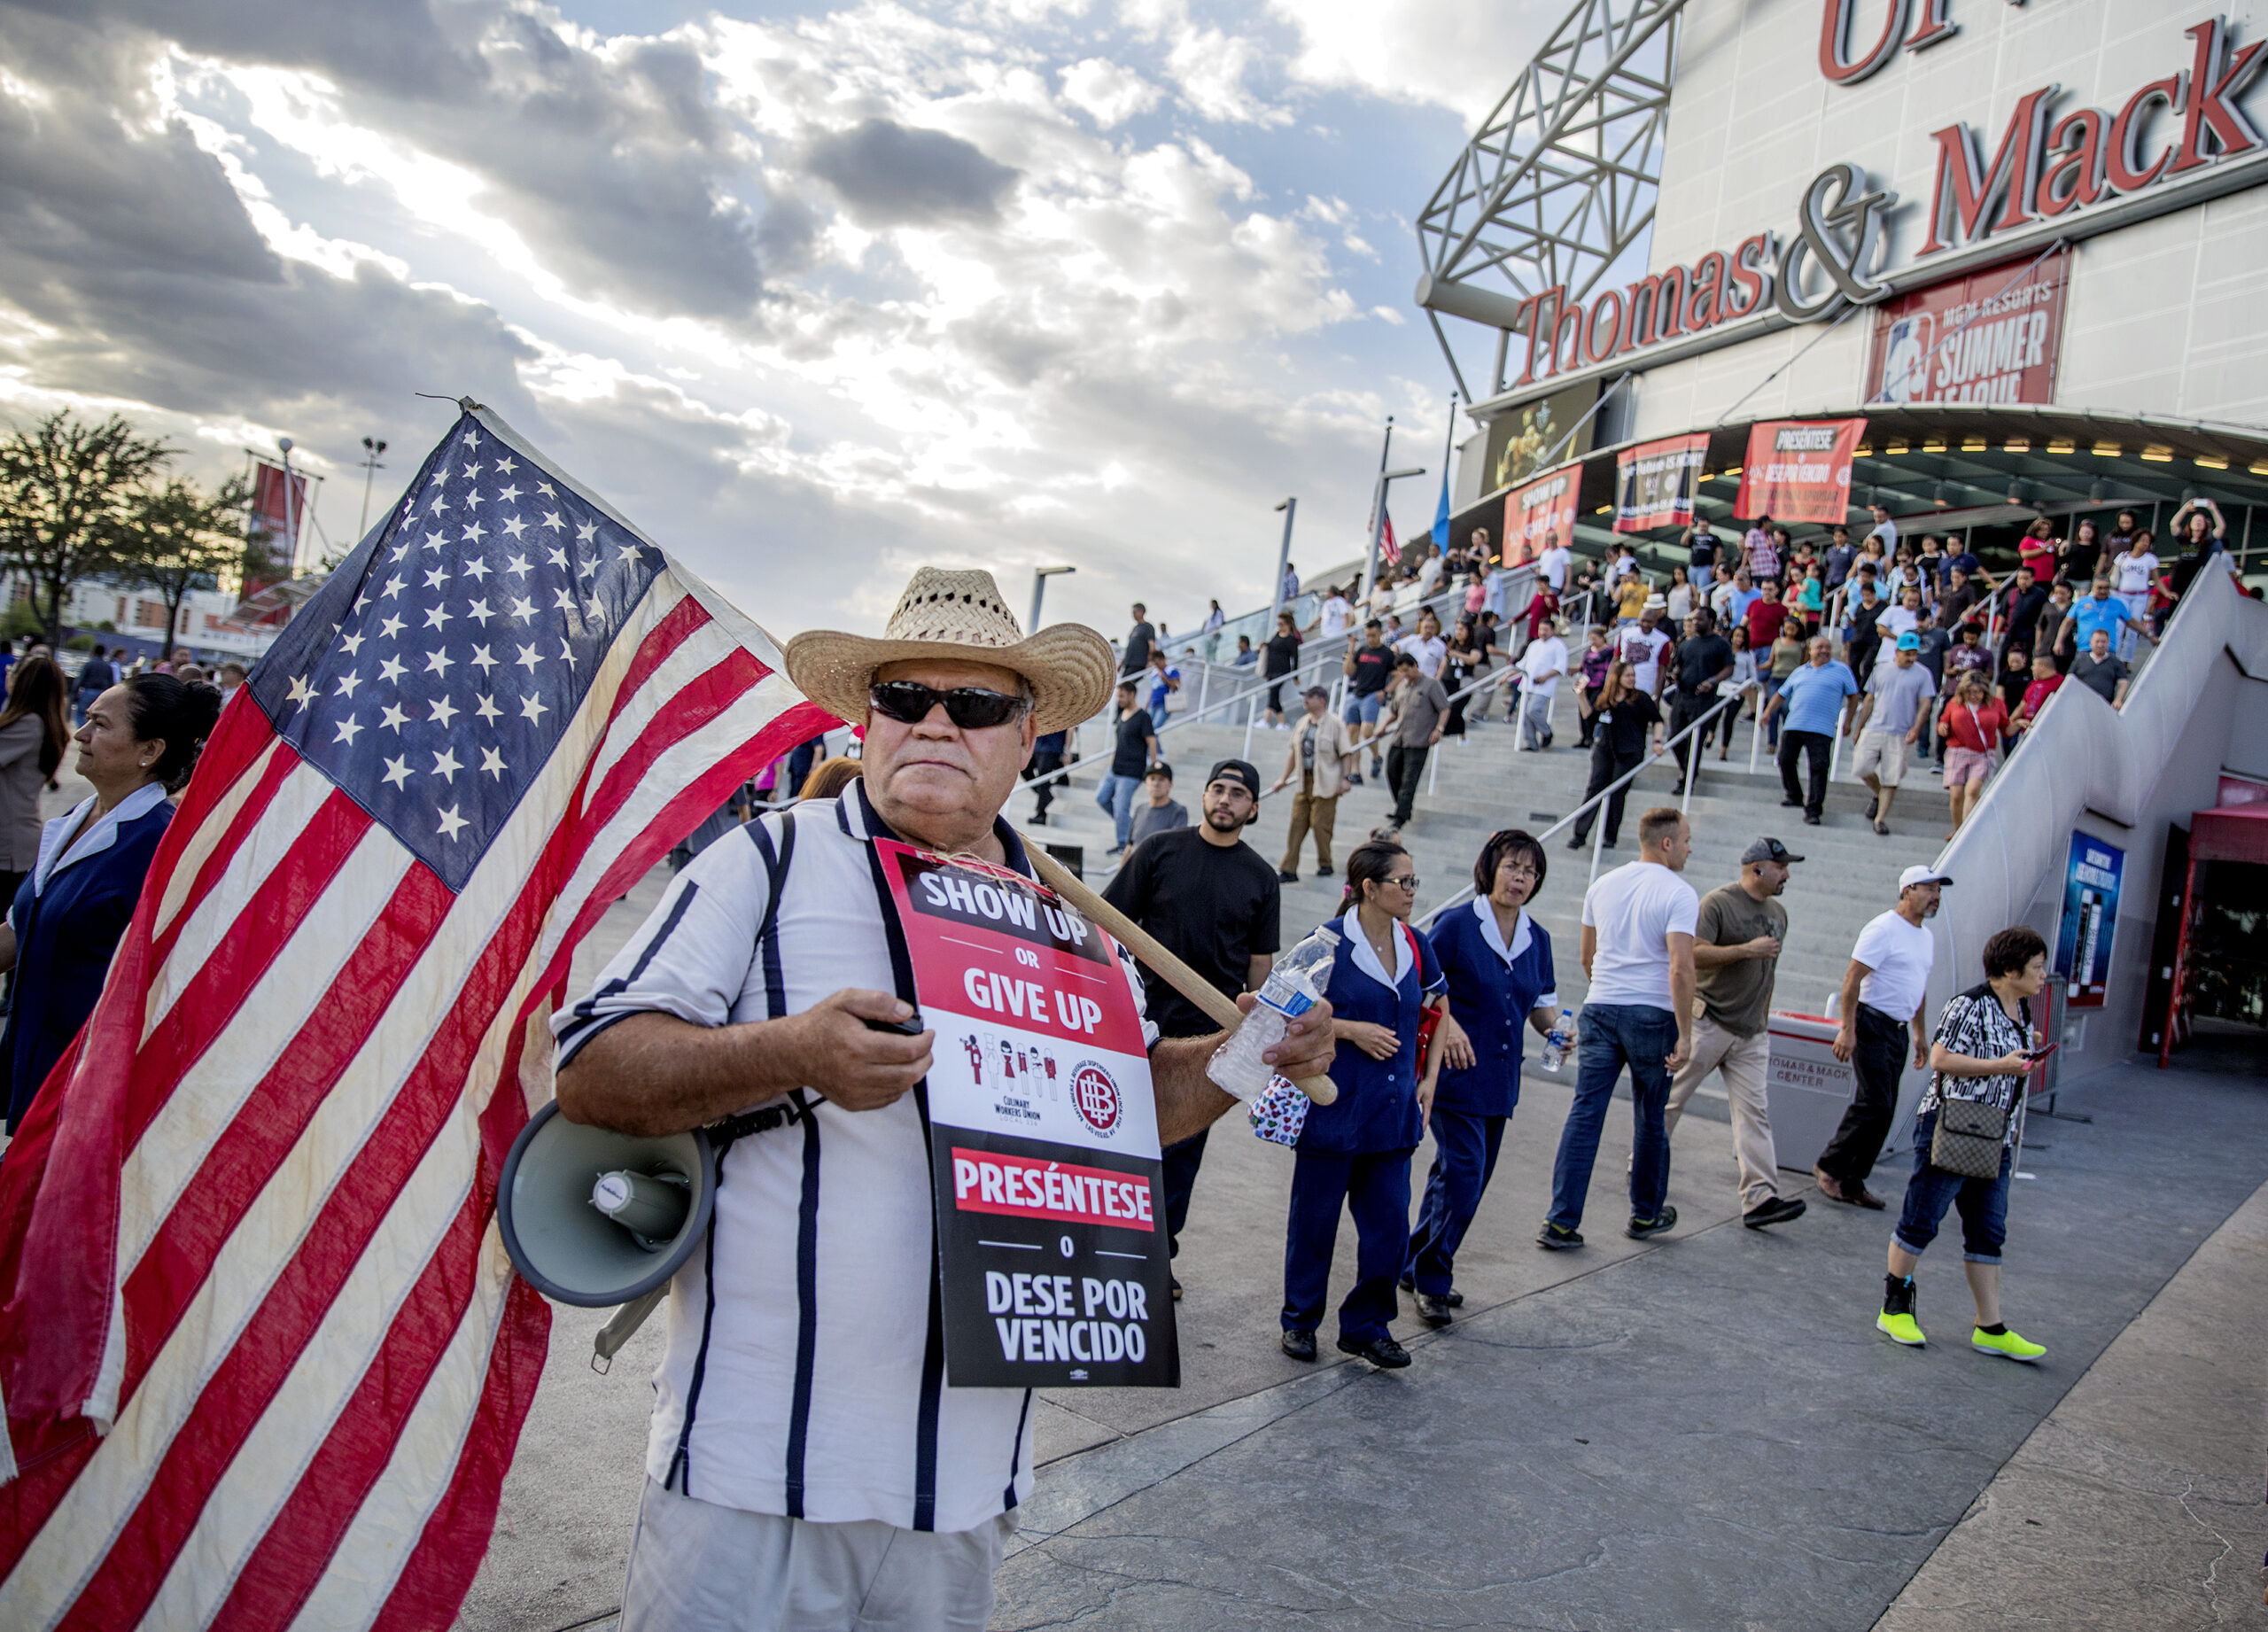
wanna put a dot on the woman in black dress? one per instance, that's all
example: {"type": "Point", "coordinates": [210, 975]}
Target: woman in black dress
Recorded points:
{"type": "Point", "coordinates": [1467, 659]}
{"type": "Point", "coordinates": [1283, 658]}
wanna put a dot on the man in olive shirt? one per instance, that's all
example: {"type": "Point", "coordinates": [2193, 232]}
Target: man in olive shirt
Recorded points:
{"type": "Point", "coordinates": [1736, 954]}
{"type": "Point", "coordinates": [1420, 706]}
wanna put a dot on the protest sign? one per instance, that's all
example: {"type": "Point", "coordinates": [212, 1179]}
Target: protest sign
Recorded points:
{"type": "Point", "coordinates": [1043, 1135]}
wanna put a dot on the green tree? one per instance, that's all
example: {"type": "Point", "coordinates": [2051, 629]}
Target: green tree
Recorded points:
{"type": "Point", "coordinates": [68, 493]}
{"type": "Point", "coordinates": [178, 537]}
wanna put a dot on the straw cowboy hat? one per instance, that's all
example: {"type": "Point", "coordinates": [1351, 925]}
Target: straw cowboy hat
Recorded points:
{"type": "Point", "coordinates": [959, 616]}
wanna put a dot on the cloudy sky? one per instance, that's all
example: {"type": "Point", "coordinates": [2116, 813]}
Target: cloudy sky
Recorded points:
{"type": "Point", "coordinates": [813, 294]}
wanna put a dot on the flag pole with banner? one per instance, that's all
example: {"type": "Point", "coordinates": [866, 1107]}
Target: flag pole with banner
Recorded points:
{"type": "Point", "coordinates": [263, 1356]}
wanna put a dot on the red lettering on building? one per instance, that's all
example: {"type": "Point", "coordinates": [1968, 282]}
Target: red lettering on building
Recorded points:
{"type": "Point", "coordinates": [1964, 193]}
{"type": "Point", "coordinates": [2127, 130]}
{"type": "Point", "coordinates": [2074, 156]}
{"type": "Point", "coordinates": [1835, 59]}
{"type": "Point", "coordinates": [2210, 88]}
{"type": "Point", "coordinates": [1930, 25]}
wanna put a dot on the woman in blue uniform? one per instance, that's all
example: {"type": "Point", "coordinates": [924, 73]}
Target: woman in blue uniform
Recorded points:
{"type": "Point", "coordinates": [1355, 1151]}
{"type": "Point", "coordinates": [140, 739]}
{"type": "Point", "coordinates": [1497, 961]}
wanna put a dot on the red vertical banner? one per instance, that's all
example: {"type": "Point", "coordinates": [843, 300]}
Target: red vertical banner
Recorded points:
{"type": "Point", "coordinates": [279, 518]}
{"type": "Point", "coordinates": [1539, 509]}
{"type": "Point", "coordinates": [1798, 469]}
{"type": "Point", "coordinates": [1655, 482]}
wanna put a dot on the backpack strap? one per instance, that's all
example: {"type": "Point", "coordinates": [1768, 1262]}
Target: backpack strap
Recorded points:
{"type": "Point", "coordinates": [795, 1107]}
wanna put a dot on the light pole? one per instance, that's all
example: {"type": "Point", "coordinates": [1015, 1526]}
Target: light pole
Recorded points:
{"type": "Point", "coordinates": [1039, 577]}
{"type": "Point", "coordinates": [290, 513]}
{"type": "Point", "coordinates": [372, 447]}
{"type": "Point", "coordinates": [1291, 508]}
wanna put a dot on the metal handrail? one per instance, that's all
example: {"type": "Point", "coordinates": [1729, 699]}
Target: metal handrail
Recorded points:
{"type": "Point", "coordinates": [1599, 798]}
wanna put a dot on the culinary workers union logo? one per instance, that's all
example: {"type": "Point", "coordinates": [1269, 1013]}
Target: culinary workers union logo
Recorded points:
{"type": "Point", "coordinates": [1096, 1098]}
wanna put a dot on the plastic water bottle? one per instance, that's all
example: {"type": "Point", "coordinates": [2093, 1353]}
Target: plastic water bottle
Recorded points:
{"type": "Point", "coordinates": [1293, 986]}
{"type": "Point", "coordinates": [1558, 1040]}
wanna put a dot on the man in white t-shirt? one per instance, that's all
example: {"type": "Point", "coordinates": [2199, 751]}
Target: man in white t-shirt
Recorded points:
{"type": "Point", "coordinates": [1883, 991]}
{"type": "Point", "coordinates": [1555, 562]}
{"type": "Point", "coordinates": [1641, 646]}
{"type": "Point", "coordinates": [1542, 664]}
{"type": "Point", "coordinates": [1337, 618]}
{"type": "Point", "coordinates": [1638, 927]}
{"type": "Point", "coordinates": [1884, 529]}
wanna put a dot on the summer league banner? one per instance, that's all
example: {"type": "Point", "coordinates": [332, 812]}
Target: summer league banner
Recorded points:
{"type": "Point", "coordinates": [1655, 482]}
{"type": "Point", "coordinates": [1993, 335]}
{"type": "Point", "coordinates": [1798, 469]}
{"type": "Point", "coordinates": [1043, 1133]}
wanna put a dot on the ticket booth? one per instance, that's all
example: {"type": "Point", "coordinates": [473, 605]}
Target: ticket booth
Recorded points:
{"type": "Point", "coordinates": [2217, 890]}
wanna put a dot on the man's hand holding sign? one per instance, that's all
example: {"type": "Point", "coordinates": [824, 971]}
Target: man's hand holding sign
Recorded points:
{"type": "Point", "coordinates": [1000, 1167]}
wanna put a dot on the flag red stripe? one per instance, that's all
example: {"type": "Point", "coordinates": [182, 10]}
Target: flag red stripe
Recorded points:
{"type": "Point", "coordinates": [217, 991]}
{"type": "Point", "coordinates": [670, 632]}
{"type": "Point", "coordinates": [243, 1385]}
{"type": "Point", "coordinates": [216, 864]}
{"type": "Point", "coordinates": [284, 1566]}
{"type": "Point", "coordinates": [431, 1586]}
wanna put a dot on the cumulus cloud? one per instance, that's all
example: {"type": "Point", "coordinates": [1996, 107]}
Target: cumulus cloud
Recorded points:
{"type": "Point", "coordinates": [1106, 92]}
{"type": "Point", "coordinates": [1449, 53]}
{"type": "Point", "coordinates": [889, 175]}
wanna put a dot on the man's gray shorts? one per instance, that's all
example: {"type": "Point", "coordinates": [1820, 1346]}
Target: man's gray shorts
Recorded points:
{"type": "Point", "coordinates": [696, 1567]}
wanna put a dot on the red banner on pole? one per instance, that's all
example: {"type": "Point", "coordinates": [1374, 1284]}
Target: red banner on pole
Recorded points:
{"type": "Point", "coordinates": [1798, 469]}
{"type": "Point", "coordinates": [1543, 507]}
{"type": "Point", "coordinates": [279, 507]}
{"type": "Point", "coordinates": [1655, 482]}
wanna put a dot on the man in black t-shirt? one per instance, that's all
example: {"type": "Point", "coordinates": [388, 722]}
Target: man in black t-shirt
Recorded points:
{"type": "Point", "coordinates": [1140, 639]}
{"type": "Point", "coordinates": [1368, 666]}
{"type": "Point", "coordinates": [1135, 748]}
{"type": "Point", "coordinates": [1864, 640]}
{"type": "Point", "coordinates": [1214, 903]}
{"type": "Point", "coordinates": [1701, 661]}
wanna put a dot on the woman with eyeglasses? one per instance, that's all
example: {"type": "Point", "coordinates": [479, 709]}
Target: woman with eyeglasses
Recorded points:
{"type": "Point", "coordinates": [1497, 962]}
{"type": "Point", "coordinates": [1354, 1153]}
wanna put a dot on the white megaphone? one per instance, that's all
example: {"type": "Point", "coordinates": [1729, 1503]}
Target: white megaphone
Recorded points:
{"type": "Point", "coordinates": [595, 1218]}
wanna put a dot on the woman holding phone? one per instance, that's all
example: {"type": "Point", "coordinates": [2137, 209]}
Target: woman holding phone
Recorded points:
{"type": "Point", "coordinates": [1354, 1153]}
{"type": "Point", "coordinates": [1984, 1050]}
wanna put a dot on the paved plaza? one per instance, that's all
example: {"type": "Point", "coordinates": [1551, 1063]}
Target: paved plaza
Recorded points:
{"type": "Point", "coordinates": [1702, 1431]}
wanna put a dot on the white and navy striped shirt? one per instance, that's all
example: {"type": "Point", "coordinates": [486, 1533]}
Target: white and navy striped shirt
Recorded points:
{"type": "Point", "coordinates": [804, 1372]}
{"type": "Point", "coordinates": [1974, 1023]}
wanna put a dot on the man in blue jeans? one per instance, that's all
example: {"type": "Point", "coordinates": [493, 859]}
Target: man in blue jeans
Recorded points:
{"type": "Point", "coordinates": [1135, 750]}
{"type": "Point", "coordinates": [1638, 927]}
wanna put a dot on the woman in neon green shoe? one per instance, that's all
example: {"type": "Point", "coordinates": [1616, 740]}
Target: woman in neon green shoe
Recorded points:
{"type": "Point", "coordinates": [1982, 1051]}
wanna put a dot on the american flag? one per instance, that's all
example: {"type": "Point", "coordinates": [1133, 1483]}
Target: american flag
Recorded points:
{"type": "Point", "coordinates": [264, 1359]}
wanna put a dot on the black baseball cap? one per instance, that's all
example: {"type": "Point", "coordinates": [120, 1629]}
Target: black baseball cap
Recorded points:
{"type": "Point", "coordinates": [1768, 850]}
{"type": "Point", "coordinates": [1235, 771]}
{"type": "Point", "coordinates": [1158, 768]}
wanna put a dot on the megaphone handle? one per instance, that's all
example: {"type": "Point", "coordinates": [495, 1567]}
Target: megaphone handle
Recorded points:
{"type": "Point", "coordinates": [618, 1330]}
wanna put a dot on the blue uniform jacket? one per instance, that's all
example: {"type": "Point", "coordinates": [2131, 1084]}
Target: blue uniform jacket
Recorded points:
{"type": "Point", "coordinates": [66, 928]}
{"type": "Point", "coordinates": [1377, 1107]}
{"type": "Point", "coordinates": [1493, 988]}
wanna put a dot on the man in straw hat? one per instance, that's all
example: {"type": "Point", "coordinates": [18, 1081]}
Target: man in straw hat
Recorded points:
{"type": "Point", "coordinates": [805, 1451]}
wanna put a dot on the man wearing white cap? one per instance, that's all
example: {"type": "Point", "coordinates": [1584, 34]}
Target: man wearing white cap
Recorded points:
{"type": "Point", "coordinates": [807, 1466]}
{"type": "Point", "coordinates": [1882, 993]}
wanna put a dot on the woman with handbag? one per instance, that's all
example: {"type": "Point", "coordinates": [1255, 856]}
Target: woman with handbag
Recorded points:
{"type": "Point", "coordinates": [1965, 1139]}
{"type": "Point", "coordinates": [1354, 1153]}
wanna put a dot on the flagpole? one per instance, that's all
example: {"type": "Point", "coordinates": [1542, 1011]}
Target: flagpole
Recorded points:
{"type": "Point", "coordinates": [1448, 450]}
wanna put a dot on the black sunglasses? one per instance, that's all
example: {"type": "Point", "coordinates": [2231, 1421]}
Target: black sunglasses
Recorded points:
{"type": "Point", "coordinates": [972, 708]}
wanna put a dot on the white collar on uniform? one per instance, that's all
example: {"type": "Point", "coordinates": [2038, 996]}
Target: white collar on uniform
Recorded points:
{"type": "Point", "coordinates": [1366, 957]}
{"type": "Point", "coordinates": [99, 835]}
{"type": "Point", "coordinates": [1495, 936]}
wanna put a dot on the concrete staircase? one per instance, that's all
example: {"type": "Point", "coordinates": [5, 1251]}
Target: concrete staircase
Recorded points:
{"type": "Point", "coordinates": [1849, 874]}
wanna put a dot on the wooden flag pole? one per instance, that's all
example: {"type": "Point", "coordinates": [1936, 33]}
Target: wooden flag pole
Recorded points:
{"type": "Point", "coordinates": [1145, 946]}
